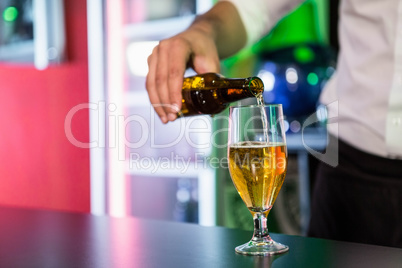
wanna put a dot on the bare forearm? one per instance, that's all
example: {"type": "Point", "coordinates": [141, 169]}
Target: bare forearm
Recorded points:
{"type": "Point", "coordinates": [224, 24]}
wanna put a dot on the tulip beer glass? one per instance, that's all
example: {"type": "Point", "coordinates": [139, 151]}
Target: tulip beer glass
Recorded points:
{"type": "Point", "coordinates": [257, 163]}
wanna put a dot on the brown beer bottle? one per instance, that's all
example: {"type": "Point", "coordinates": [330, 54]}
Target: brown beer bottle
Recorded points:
{"type": "Point", "coordinates": [210, 93]}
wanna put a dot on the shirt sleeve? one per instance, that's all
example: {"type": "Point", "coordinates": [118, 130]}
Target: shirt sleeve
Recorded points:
{"type": "Point", "coordinates": [260, 16]}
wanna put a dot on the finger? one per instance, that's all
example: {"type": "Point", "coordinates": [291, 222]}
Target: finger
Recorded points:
{"type": "Point", "coordinates": [151, 86]}
{"type": "Point", "coordinates": [205, 64]}
{"type": "Point", "coordinates": [161, 75]}
{"type": "Point", "coordinates": [179, 56]}
{"type": "Point", "coordinates": [207, 60]}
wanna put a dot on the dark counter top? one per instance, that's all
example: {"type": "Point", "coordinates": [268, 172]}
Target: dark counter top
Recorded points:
{"type": "Point", "coordinates": [38, 238]}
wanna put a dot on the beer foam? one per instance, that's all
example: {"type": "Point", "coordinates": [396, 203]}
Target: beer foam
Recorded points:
{"type": "Point", "coordinates": [256, 144]}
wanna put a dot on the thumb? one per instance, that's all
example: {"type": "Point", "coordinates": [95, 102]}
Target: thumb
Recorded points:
{"type": "Point", "coordinates": [204, 64]}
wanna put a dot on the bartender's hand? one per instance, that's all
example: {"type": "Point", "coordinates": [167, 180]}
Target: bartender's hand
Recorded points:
{"type": "Point", "coordinates": [192, 48]}
{"type": "Point", "coordinates": [216, 34]}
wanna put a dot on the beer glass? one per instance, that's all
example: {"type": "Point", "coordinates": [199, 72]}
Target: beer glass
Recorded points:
{"type": "Point", "coordinates": [257, 163]}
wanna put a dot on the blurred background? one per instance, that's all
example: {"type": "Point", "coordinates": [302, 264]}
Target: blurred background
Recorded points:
{"type": "Point", "coordinates": [79, 134]}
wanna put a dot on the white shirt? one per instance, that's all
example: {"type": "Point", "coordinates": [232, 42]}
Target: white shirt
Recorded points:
{"type": "Point", "coordinates": [365, 93]}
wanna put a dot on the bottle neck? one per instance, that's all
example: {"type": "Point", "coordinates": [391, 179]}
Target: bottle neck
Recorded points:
{"type": "Point", "coordinates": [238, 89]}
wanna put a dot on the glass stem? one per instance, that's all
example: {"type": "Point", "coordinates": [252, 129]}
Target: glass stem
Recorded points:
{"type": "Point", "coordinates": [260, 228]}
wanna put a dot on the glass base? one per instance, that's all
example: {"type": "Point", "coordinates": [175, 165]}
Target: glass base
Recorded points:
{"type": "Point", "coordinates": [261, 248]}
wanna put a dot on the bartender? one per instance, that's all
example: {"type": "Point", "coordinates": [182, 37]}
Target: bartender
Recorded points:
{"type": "Point", "coordinates": [359, 199]}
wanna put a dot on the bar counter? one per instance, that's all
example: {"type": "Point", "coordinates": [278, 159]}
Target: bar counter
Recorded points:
{"type": "Point", "coordinates": [40, 238]}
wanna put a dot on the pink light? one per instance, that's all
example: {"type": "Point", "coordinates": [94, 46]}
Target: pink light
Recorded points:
{"type": "Point", "coordinates": [117, 183]}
